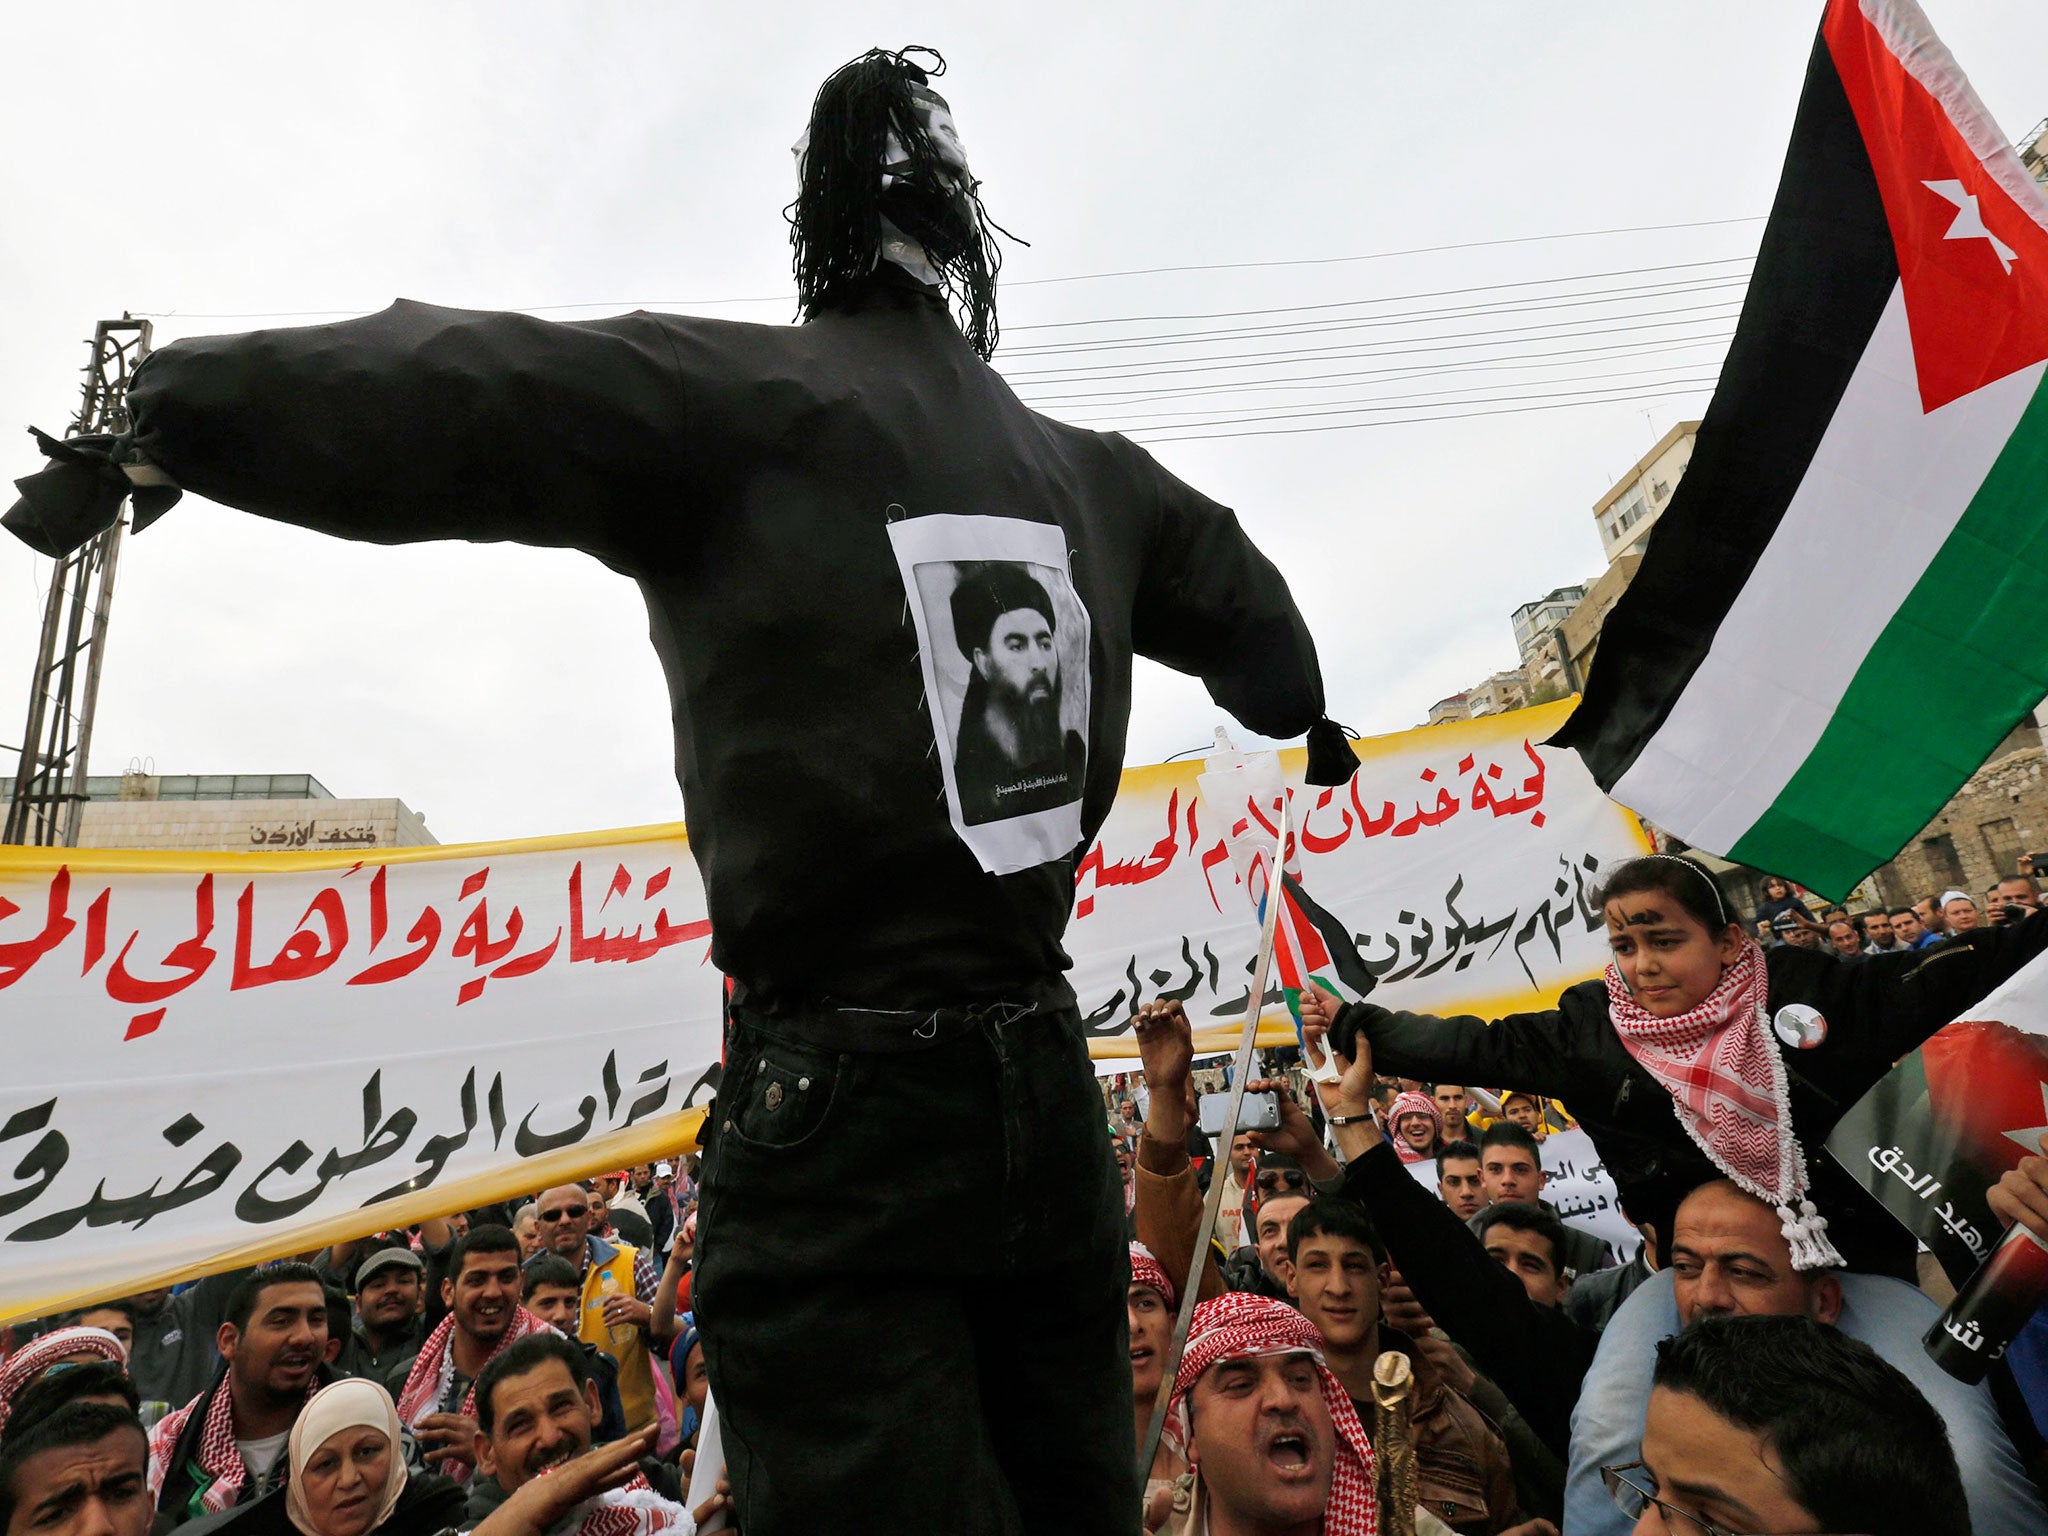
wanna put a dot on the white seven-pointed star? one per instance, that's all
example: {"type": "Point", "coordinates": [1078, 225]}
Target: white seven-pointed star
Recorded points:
{"type": "Point", "coordinates": [1969, 224]}
{"type": "Point", "coordinates": [2031, 1137]}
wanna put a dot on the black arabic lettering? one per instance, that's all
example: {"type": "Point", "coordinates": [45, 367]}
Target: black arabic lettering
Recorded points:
{"type": "Point", "coordinates": [528, 1142]}
{"type": "Point", "coordinates": [648, 1103]}
{"type": "Point", "coordinates": [435, 1151]}
{"type": "Point", "coordinates": [136, 1210]}
{"type": "Point", "coordinates": [259, 1209]}
{"type": "Point", "coordinates": [382, 1138]}
{"type": "Point", "coordinates": [42, 1162]}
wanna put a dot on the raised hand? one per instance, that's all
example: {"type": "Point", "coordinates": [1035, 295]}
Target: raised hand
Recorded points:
{"type": "Point", "coordinates": [540, 1502]}
{"type": "Point", "coordinates": [1166, 1049]}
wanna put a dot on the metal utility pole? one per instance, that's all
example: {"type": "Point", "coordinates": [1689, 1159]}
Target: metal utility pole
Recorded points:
{"type": "Point", "coordinates": [49, 784]}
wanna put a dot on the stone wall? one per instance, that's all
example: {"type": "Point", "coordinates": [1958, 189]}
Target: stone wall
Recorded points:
{"type": "Point", "coordinates": [2001, 813]}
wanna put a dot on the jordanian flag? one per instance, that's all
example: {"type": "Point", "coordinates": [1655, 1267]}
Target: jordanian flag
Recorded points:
{"type": "Point", "coordinates": [1311, 945]}
{"type": "Point", "coordinates": [1842, 611]}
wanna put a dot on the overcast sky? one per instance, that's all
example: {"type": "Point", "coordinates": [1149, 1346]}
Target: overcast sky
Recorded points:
{"type": "Point", "coordinates": [217, 166]}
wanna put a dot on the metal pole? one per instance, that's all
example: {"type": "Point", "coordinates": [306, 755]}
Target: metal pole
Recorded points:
{"type": "Point", "coordinates": [50, 783]}
{"type": "Point", "coordinates": [1254, 1006]}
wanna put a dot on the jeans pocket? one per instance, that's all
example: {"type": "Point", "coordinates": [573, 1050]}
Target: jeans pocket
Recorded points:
{"type": "Point", "coordinates": [781, 1097]}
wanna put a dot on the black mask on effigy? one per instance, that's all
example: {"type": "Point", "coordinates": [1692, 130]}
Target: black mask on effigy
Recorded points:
{"type": "Point", "coordinates": [883, 175]}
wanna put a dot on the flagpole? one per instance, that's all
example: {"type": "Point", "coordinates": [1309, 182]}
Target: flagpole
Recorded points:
{"type": "Point", "coordinates": [1269, 919]}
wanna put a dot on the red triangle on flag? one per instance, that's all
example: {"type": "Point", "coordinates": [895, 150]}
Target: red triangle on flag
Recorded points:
{"type": "Point", "coordinates": [1973, 259]}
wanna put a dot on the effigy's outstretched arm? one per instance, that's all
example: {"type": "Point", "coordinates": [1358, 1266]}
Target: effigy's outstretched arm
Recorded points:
{"type": "Point", "coordinates": [413, 423]}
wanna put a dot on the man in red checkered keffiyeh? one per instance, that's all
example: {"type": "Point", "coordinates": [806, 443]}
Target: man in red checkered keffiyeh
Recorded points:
{"type": "Point", "coordinates": [1272, 1435]}
{"type": "Point", "coordinates": [429, 1390]}
{"type": "Point", "coordinates": [26, 1365]}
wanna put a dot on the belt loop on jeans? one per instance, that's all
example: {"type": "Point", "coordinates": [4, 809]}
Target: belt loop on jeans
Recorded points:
{"type": "Point", "coordinates": [891, 1030]}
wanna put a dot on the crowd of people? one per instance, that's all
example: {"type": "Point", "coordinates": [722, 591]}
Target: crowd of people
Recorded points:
{"type": "Point", "coordinates": [1784, 917]}
{"type": "Point", "coordinates": [1753, 1364]}
{"type": "Point", "coordinates": [1394, 1328]}
{"type": "Point", "coordinates": [413, 1382]}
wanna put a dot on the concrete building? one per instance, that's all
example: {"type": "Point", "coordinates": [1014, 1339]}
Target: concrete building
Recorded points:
{"type": "Point", "coordinates": [2034, 152]}
{"type": "Point", "coordinates": [1570, 654]}
{"type": "Point", "coordinates": [1498, 694]}
{"type": "Point", "coordinates": [238, 812]}
{"type": "Point", "coordinates": [1532, 621]}
{"type": "Point", "coordinates": [1457, 707]}
{"type": "Point", "coordinates": [1626, 514]}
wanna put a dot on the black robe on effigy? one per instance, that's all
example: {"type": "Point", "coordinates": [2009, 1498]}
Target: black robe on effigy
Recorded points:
{"type": "Point", "coordinates": [746, 477]}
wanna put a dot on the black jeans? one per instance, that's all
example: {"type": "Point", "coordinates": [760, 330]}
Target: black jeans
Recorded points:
{"type": "Point", "coordinates": [910, 1277]}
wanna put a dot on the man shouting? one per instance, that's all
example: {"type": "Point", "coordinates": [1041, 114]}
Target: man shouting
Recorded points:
{"type": "Point", "coordinates": [798, 506]}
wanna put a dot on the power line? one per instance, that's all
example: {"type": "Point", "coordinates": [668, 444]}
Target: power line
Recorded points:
{"type": "Point", "coordinates": [1370, 405]}
{"type": "Point", "coordinates": [1345, 426]}
{"type": "Point", "coordinates": [1468, 395]}
{"type": "Point", "coordinates": [1529, 361]}
{"type": "Point", "coordinates": [1032, 282]}
{"type": "Point", "coordinates": [1392, 298]}
{"type": "Point", "coordinates": [1420, 250]}
{"type": "Point", "coordinates": [1080, 372]}
{"type": "Point", "coordinates": [1411, 317]}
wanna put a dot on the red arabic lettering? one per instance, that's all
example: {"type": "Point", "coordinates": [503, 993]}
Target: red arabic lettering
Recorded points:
{"type": "Point", "coordinates": [629, 947]}
{"type": "Point", "coordinates": [475, 939]}
{"type": "Point", "coordinates": [424, 934]}
{"type": "Point", "coordinates": [19, 958]}
{"type": "Point", "coordinates": [304, 954]}
{"type": "Point", "coordinates": [1316, 843]}
{"type": "Point", "coordinates": [1370, 825]}
{"type": "Point", "coordinates": [1130, 871]}
{"type": "Point", "coordinates": [1484, 796]}
{"type": "Point", "coordinates": [193, 956]}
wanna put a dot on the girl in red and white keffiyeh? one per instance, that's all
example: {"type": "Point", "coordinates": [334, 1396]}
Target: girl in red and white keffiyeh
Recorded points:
{"type": "Point", "coordinates": [1241, 1326]}
{"type": "Point", "coordinates": [1721, 1067]}
{"type": "Point", "coordinates": [1699, 1057]}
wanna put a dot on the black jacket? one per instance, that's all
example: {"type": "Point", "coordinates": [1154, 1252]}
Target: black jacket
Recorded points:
{"type": "Point", "coordinates": [427, 1505]}
{"type": "Point", "coordinates": [746, 477]}
{"type": "Point", "coordinates": [1876, 1012]}
{"type": "Point", "coordinates": [1536, 1355]}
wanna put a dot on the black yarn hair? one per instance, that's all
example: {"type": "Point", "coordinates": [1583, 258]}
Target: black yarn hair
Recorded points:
{"type": "Point", "coordinates": [835, 224]}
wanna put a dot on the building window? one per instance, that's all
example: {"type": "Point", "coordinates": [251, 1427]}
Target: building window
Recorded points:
{"type": "Point", "coordinates": [1942, 863]}
{"type": "Point", "coordinates": [2002, 842]}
